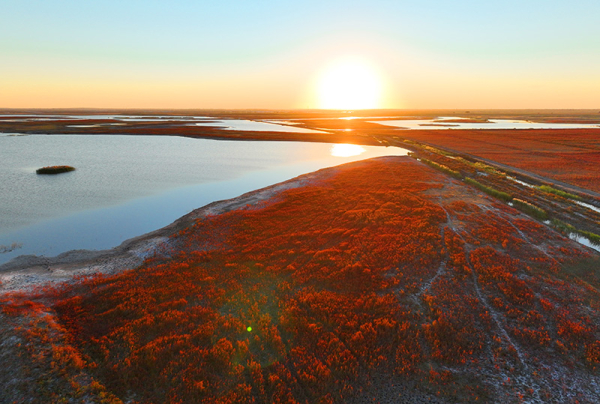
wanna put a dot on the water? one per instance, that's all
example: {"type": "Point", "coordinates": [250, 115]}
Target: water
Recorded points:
{"type": "Point", "coordinates": [229, 124]}
{"type": "Point", "coordinates": [243, 124]}
{"type": "Point", "coordinates": [587, 205]}
{"type": "Point", "coordinates": [583, 240]}
{"type": "Point", "coordinates": [521, 182]}
{"type": "Point", "coordinates": [125, 186]}
{"type": "Point", "coordinates": [446, 122]}
{"type": "Point", "coordinates": [443, 123]}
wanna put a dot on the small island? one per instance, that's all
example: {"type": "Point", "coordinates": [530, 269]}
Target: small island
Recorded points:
{"type": "Point", "coordinates": [54, 169]}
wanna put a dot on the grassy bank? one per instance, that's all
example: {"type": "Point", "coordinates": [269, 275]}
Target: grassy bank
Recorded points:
{"type": "Point", "coordinates": [489, 190]}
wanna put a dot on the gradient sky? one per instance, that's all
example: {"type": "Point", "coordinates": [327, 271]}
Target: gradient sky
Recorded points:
{"type": "Point", "coordinates": [269, 54]}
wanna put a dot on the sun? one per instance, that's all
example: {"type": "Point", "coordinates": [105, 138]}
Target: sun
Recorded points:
{"type": "Point", "coordinates": [349, 84]}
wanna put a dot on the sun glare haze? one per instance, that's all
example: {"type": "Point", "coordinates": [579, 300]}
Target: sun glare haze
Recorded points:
{"type": "Point", "coordinates": [227, 54]}
{"type": "Point", "coordinates": [349, 84]}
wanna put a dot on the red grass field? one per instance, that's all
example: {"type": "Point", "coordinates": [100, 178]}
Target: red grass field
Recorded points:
{"type": "Point", "coordinates": [384, 280]}
{"type": "Point", "coordinates": [568, 155]}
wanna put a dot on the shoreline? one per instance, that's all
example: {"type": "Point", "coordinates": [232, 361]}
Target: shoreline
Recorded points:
{"type": "Point", "coordinates": [26, 272]}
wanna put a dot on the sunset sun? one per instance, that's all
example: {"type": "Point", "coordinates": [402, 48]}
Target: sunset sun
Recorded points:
{"type": "Point", "coordinates": [349, 84]}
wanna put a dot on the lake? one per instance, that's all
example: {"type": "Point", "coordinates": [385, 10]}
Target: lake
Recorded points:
{"type": "Point", "coordinates": [125, 186]}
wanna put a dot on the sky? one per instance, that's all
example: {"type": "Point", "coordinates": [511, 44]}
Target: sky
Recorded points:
{"type": "Point", "coordinates": [273, 54]}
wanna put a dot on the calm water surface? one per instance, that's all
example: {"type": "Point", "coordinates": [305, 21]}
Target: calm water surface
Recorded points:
{"type": "Point", "coordinates": [254, 126]}
{"type": "Point", "coordinates": [125, 186]}
{"type": "Point", "coordinates": [438, 123]}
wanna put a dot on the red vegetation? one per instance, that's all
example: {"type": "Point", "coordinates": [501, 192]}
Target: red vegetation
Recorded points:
{"type": "Point", "coordinates": [568, 155]}
{"type": "Point", "coordinates": [353, 286]}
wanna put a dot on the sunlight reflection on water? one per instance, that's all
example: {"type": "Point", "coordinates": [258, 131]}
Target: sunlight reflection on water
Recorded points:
{"type": "Point", "coordinates": [346, 150]}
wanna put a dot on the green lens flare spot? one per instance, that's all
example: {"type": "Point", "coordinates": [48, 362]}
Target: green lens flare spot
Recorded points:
{"type": "Point", "coordinates": [249, 329]}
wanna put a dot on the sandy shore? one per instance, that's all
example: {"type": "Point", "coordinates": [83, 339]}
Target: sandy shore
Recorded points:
{"type": "Point", "coordinates": [27, 272]}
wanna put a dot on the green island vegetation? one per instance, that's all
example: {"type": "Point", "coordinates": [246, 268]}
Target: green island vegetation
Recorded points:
{"type": "Point", "coordinates": [437, 151]}
{"type": "Point", "coordinates": [482, 166]}
{"type": "Point", "coordinates": [489, 190]}
{"type": "Point", "coordinates": [552, 190]}
{"type": "Point", "coordinates": [530, 209]}
{"type": "Point", "coordinates": [567, 228]}
{"type": "Point", "coordinates": [439, 167]}
{"type": "Point", "coordinates": [562, 226]}
{"type": "Point", "coordinates": [54, 170]}
{"type": "Point", "coordinates": [593, 237]}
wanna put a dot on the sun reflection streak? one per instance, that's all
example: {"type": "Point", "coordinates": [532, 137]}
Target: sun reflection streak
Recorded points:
{"type": "Point", "coordinates": [346, 150]}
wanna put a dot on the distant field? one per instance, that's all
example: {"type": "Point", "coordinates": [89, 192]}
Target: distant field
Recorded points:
{"type": "Point", "coordinates": [568, 155]}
